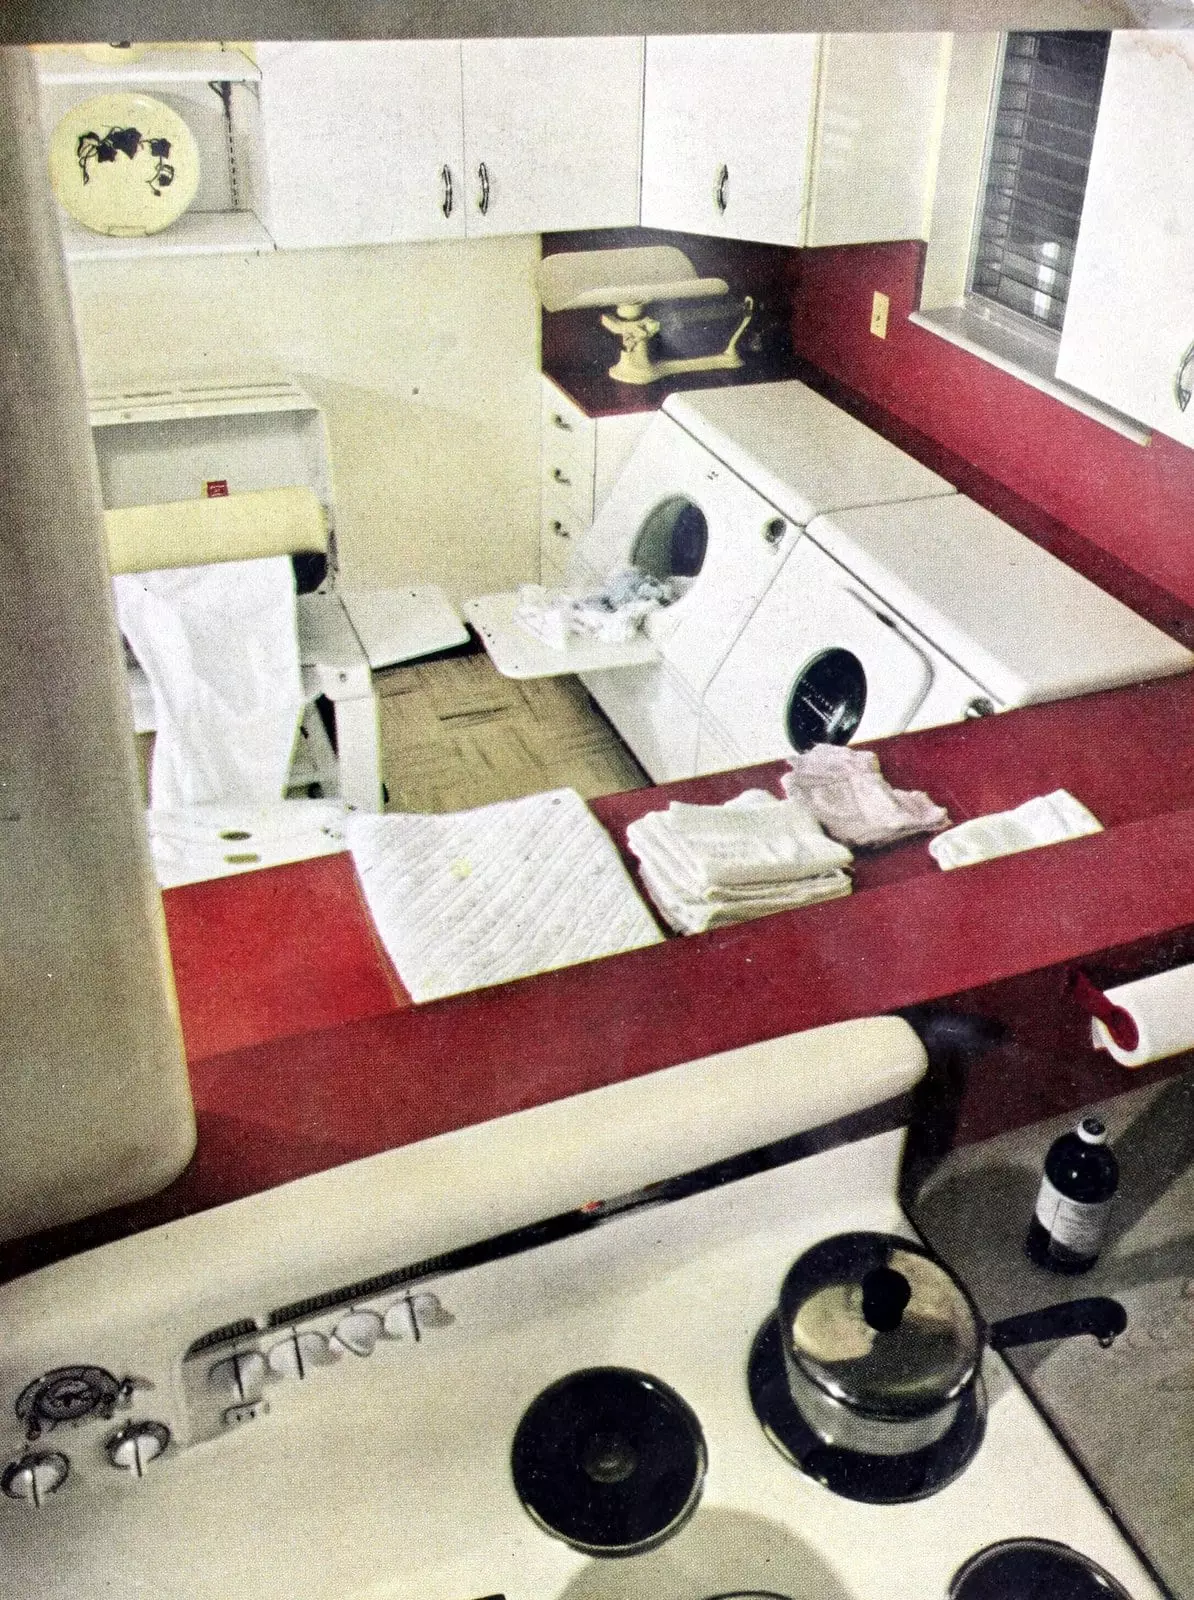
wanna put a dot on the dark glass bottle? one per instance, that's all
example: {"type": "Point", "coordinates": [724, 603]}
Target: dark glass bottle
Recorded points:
{"type": "Point", "coordinates": [1074, 1200]}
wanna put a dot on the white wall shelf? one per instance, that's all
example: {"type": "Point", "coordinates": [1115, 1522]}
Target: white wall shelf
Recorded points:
{"type": "Point", "coordinates": [60, 67]}
{"type": "Point", "coordinates": [196, 233]}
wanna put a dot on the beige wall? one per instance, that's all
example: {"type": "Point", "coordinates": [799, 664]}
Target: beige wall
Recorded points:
{"type": "Point", "coordinates": [424, 357]}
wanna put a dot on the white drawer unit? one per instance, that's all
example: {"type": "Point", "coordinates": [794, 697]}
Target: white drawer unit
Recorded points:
{"type": "Point", "coordinates": [580, 457]}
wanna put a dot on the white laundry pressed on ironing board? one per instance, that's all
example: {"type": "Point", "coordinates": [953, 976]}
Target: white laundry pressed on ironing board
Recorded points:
{"type": "Point", "coordinates": [472, 898]}
{"type": "Point", "coordinates": [219, 645]}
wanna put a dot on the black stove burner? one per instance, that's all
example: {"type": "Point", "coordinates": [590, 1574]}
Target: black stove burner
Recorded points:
{"type": "Point", "coordinates": [856, 1474]}
{"type": "Point", "coordinates": [1033, 1569]}
{"type": "Point", "coordinates": [609, 1460]}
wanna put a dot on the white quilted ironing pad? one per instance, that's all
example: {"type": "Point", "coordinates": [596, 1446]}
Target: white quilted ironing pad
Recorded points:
{"type": "Point", "coordinates": [472, 898]}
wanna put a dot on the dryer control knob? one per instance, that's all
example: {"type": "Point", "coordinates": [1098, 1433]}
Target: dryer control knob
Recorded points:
{"type": "Point", "coordinates": [774, 530]}
{"type": "Point", "coordinates": [136, 1445]}
{"type": "Point", "coordinates": [35, 1476]}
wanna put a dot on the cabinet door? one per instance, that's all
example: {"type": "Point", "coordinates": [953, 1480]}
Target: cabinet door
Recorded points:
{"type": "Point", "coordinates": [727, 121]}
{"type": "Point", "coordinates": [552, 133]}
{"type": "Point", "coordinates": [876, 136]}
{"type": "Point", "coordinates": [1129, 321]}
{"type": "Point", "coordinates": [363, 142]}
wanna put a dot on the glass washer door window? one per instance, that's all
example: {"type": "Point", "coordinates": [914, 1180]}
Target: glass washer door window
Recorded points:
{"type": "Point", "coordinates": [1038, 155]}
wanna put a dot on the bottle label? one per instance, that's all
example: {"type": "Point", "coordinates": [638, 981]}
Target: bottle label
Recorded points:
{"type": "Point", "coordinates": [1075, 1225]}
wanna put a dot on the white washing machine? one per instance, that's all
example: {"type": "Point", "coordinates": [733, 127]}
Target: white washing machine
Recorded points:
{"type": "Point", "coordinates": [719, 491]}
{"type": "Point", "coordinates": [900, 617]}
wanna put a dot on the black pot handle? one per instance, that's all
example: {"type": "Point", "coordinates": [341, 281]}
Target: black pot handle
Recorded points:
{"type": "Point", "coordinates": [1097, 1314]}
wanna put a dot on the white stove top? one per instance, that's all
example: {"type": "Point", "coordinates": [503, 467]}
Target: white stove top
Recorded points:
{"type": "Point", "coordinates": [388, 1475]}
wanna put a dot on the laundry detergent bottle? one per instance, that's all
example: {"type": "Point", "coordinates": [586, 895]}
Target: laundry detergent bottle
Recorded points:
{"type": "Point", "coordinates": [1074, 1200]}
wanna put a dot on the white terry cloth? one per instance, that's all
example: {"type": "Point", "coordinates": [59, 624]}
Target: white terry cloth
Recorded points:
{"type": "Point", "coordinates": [614, 614]}
{"type": "Point", "coordinates": [854, 802]}
{"type": "Point", "coordinates": [219, 645]}
{"type": "Point", "coordinates": [754, 839]}
{"type": "Point", "coordinates": [706, 866]}
{"type": "Point", "coordinates": [472, 898]}
{"type": "Point", "coordinates": [1048, 819]}
{"type": "Point", "coordinates": [218, 841]}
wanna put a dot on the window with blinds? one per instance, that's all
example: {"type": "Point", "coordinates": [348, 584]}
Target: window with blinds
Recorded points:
{"type": "Point", "coordinates": [1039, 153]}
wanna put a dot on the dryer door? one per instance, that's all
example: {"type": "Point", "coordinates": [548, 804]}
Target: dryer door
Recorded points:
{"type": "Point", "coordinates": [820, 662]}
{"type": "Point", "coordinates": [676, 511]}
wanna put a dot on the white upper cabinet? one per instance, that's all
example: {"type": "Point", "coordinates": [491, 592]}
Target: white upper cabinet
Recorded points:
{"type": "Point", "coordinates": [363, 141]}
{"type": "Point", "coordinates": [799, 139]}
{"type": "Point", "coordinates": [1128, 337]}
{"type": "Point", "coordinates": [368, 143]}
{"type": "Point", "coordinates": [727, 121]}
{"type": "Point", "coordinates": [552, 132]}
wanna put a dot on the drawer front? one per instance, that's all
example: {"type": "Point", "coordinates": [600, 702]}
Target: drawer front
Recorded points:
{"type": "Point", "coordinates": [569, 447]}
{"type": "Point", "coordinates": [561, 525]}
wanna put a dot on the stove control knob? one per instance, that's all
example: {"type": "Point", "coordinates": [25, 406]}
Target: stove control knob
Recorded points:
{"type": "Point", "coordinates": [240, 1376]}
{"type": "Point", "coordinates": [397, 1320]}
{"type": "Point", "coordinates": [429, 1312]}
{"type": "Point", "coordinates": [298, 1352]}
{"type": "Point", "coordinates": [136, 1445]}
{"type": "Point", "coordinates": [34, 1477]}
{"type": "Point", "coordinates": [358, 1331]}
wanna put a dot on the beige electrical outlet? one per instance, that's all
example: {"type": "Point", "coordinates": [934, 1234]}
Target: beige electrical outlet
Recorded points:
{"type": "Point", "coordinates": [879, 315]}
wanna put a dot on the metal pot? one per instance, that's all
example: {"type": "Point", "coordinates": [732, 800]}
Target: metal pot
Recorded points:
{"type": "Point", "coordinates": [882, 1344]}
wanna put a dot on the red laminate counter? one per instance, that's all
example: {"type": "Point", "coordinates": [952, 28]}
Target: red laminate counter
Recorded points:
{"type": "Point", "coordinates": [306, 1053]}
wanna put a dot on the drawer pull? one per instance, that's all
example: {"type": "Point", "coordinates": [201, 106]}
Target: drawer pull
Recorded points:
{"type": "Point", "coordinates": [558, 528]}
{"type": "Point", "coordinates": [447, 201]}
{"type": "Point", "coordinates": [557, 421]}
{"type": "Point", "coordinates": [560, 476]}
{"type": "Point", "coordinates": [483, 201]}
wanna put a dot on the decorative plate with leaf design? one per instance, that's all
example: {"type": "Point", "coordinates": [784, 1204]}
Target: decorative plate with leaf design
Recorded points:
{"type": "Point", "coordinates": [124, 164]}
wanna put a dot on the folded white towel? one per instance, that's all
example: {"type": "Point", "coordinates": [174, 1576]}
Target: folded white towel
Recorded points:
{"type": "Point", "coordinates": [853, 801]}
{"type": "Point", "coordinates": [685, 915]}
{"type": "Point", "coordinates": [219, 646]}
{"type": "Point", "coordinates": [705, 866]}
{"type": "Point", "coordinates": [472, 898]}
{"type": "Point", "coordinates": [1048, 819]}
{"type": "Point", "coordinates": [714, 848]}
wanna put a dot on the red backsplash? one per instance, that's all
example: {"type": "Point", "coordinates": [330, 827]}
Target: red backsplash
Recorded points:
{"type": "Point", "coordinates": [1134, 501]}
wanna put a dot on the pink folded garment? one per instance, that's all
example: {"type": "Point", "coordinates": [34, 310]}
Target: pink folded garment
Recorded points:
{"type": "Point", "coordinates": [853, 801]}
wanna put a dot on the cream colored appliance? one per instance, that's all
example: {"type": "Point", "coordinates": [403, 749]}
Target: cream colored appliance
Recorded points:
{"type": "Point", "coordinates": [911, 616]}
{"type": "Point", "coordinates": [330, 1391]}
{"type": "Point", "coordinates": [211, 471]}
{"type": "Point", "coordinates": [719, 491]}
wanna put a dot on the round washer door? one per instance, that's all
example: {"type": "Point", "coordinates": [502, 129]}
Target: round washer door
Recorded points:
{"type": "Point", "coordinates": [818, 662]}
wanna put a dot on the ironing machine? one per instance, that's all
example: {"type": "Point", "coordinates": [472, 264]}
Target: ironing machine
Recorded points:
{"type": "Point", "coordinates": [197, 474]}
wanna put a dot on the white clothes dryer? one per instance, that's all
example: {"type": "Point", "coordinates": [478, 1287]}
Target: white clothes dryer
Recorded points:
{"type": "Point", "coordinates": [718, 492]}
{"type": "Point", "coordinates": [901, 617]}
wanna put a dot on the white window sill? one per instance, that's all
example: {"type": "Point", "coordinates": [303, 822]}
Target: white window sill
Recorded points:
{"type": "Point", "coordinates": [1023, 358]}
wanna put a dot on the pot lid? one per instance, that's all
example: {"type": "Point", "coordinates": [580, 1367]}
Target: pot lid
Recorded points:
{"type": "Point", "coordinates": [875, 1322]}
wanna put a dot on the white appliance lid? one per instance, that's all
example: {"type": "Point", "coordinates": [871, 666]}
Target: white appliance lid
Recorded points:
{"type": "Point", "coordinates": [803, 453]}
{"type": "Point", "coordinates": [1025, 625]}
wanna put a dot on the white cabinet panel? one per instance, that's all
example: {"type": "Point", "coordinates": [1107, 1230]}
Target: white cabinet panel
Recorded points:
{"type": "Point", "coordinates": [792, 138]}
{"type": "Point", "coordinates": [1130, 314]}
{"type": "Point", "coordinates": [877, 125]}
{"type": "Point", "coordinates": [363, 141]}
{"type": "Point", "coordinates": [727, 123]}
{"type": "Point", "coordinates": [552, 133]}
